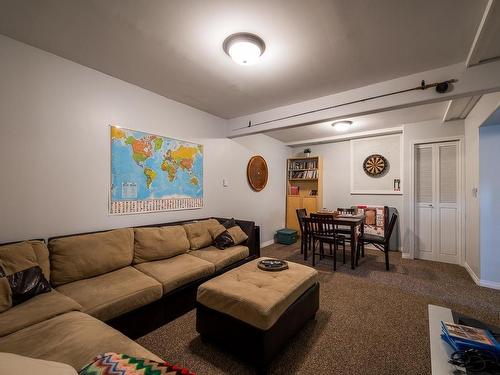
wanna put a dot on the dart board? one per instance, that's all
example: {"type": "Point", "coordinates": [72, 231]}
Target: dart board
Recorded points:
{"type": "Point", "coordinates": [375, 165]}
{"type": "Point", "coordinates": [257, 173]}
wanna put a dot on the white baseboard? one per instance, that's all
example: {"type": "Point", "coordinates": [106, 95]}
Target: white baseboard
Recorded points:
{"type": "Point", "coordinates": [267, 243]}
{"type": "Point", "coordinates": [406, 256]}
{"type": "Point", "coordinates": [481, 282]}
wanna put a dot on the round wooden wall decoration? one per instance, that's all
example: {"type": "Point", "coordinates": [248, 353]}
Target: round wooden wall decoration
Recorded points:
{"type": "Point", "coordinates": [375, 165]}
{"type": "Point", "coordinates": [257, 173]}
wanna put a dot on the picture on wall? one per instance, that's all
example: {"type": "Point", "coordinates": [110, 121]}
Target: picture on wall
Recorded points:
{"type": "Point", "coordinates": [152, 173]}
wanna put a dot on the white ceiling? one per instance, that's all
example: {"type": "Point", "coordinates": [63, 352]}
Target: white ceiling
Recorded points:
{"type": "Point", "coordinates": [314, 47]}
{"type": "Point", "coordinates": [374, 121]}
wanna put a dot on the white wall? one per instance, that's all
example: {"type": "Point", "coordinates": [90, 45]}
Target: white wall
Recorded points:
{"type": "Point", "coordinates": [489, 140]}
{"type": "Point", "coordinates": [483, 109]}
{"type": "Point", "coordinates": [54, 149]}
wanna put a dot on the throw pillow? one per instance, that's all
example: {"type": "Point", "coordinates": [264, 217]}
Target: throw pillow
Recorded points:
{"type": "Point", "coordinates": [27, 283]}
{"type": "Point", "coordinates": [237, 235]}
{"type": "Point", "coordinates": [229, 223]}
{"type": "Point", "coordinates": [18, 265]}
{"type": "Point", "coordinates": [221, 237]}
{"type": "Point", "coordinates": [116, 363]}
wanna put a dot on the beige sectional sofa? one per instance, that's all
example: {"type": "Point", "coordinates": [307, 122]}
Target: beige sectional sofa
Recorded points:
{"type": "Point", "coordinates": [117, 276]}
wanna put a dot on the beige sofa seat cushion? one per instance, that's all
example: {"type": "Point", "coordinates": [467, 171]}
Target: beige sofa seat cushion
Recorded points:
{"type": "Point", "coordinates": [114, 293]}
{"type": "Point", "coordinates": [221, 258]}
{"type": "Point", "coordinates": [87, 255]}
{"type": "Point", "coordinates": [73, 338]}
{"type": "Point", "coordinates": [42, 256]}
{"type": "Point", "coordinates": [39, 308]}
{"type": "Point", "coordinates": [177, 271]}
{"type": "Point", "coordinates": [198, 233]}
{"type": "Point", "coordinates": [159, 243]}
{"type": "Point", "coordinates": [18, 364]}
{"type": "Point", "coordinates": [255, 296]}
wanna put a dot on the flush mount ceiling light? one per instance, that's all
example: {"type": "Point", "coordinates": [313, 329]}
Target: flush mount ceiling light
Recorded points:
{"type": "Point", "coordinates": [342, 125]}
{"type": "Point", "coordinates": [244, 48]}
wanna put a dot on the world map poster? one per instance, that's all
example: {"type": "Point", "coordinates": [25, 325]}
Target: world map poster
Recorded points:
{"type": "Point", "coordinates": [151, 173]}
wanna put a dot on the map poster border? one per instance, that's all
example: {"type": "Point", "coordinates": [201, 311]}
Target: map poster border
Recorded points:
{"type": "Point", "coordinates": [156, 205]}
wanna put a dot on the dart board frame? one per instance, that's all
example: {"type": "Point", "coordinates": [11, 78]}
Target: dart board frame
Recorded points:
{"type": "Point", "coordinates": [257, 173]}
{"type": "Point", "coordinates": [375, 165]}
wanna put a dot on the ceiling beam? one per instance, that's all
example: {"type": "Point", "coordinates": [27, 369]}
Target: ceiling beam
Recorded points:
{"type": "Point", "coordinates": [458, 109]}
{"type": "Point", "coordinates": [476, 80]}
{"type": "Point", "coordinates": [346, 137]}
{"type": "Point", "coordinates": [486, 32]}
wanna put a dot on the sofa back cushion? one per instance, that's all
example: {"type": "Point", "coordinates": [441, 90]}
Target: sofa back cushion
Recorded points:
{"type": "Point", "coordinates": [17, 257]}
{"type": "Point", "coordinates": [198, 233]}
{"type": "Point", "coordinates": [79, 257]}
{"type": "Point", "coordinates": [157, 243]}
{"type": "Point", "coordinates": [5, 294]}
{"type": "Point", "coordinates": [42, 256]}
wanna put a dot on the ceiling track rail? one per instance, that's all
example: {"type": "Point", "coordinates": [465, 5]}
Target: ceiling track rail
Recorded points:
{"type": "Point", "coordinates": [441, 87]}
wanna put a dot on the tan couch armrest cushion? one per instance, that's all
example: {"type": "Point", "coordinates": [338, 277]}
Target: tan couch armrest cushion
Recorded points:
{"type": "Point", "coordinates": [18, 364]}
{"type": "Point", "coordinates": [159, 243]}
{"type": "Point", "coordinates": [198, 233]}
{"type": "Point", "coordinates": [87, 255]}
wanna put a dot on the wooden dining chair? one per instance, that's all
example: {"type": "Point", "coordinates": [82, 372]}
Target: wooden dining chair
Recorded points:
{"type": "Point", "coordinates": [304, 232]}
{"type": "Point", "coordinates": [323, 231]}
{"type": "Point", "coordinates": [381, 243]}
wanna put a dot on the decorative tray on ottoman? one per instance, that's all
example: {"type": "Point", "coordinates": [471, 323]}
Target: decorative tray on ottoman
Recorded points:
{"type": "Point", "coordinates": [272, 265]}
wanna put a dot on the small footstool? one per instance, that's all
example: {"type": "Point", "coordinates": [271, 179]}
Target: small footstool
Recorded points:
{"type": "Point", "coordinates": [254, 313]}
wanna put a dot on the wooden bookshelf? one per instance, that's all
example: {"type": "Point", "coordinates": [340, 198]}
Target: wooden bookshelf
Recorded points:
{"type": "Point", "coordinates": [306, 175]}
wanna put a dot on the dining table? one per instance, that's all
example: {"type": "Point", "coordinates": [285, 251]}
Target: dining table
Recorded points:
{"type": "Point", "coordinates": [351, 221]}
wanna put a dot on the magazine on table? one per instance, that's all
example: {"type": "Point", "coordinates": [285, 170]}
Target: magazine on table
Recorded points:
{"type": "Point", "coordinates": [462, 337]}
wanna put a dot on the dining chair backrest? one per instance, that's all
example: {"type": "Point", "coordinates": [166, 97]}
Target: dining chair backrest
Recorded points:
{"type": "Point", "coordinates": [390, 228]}
{"type": "Point", "coordinates": [322, 224]}
{"type": "Point", "coordinates": [301, 214]}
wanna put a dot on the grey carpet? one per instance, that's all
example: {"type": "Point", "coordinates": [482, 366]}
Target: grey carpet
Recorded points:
{"type": "Point", "coordinates": [370, 321]}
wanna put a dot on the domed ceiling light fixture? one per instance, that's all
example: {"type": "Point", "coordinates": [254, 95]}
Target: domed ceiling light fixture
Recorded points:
{"type": "Point", "coordinates": [244, 48]}
{"type": "Point", "coordinates": [342, 125]}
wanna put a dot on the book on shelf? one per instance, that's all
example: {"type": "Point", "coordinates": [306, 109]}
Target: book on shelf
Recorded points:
{"type": "Point", "coordinates": [303, 164]}
{"type": "Point", "coordinates": [313, 192]}
{"type": "Point", "coordinates": [306, 175]}
{"type": "Point", "coordinates": [462, 337]}
{"type": "Point", "coordinates": [294, 190]}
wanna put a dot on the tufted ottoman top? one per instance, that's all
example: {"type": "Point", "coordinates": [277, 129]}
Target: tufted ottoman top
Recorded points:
{"type": "Point", "coordinates": [255, 296]}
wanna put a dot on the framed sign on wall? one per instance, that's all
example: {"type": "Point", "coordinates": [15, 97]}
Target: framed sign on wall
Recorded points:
{"type": "Point", "coordinates": [376, 165]}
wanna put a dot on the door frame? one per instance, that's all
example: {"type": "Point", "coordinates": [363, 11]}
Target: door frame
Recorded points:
{"type": "Point", "coordinates": [461, 191]}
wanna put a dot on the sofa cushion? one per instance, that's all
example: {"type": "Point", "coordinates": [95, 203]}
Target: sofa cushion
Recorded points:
{"type": "Point", "coordinates": [221, 258]}
{"type": "Point", "coordinates": [18, 364]}
{"type": "Point", "coordinates": [17, 257]}
{"type": "Point", "coordinates": [177, 271]}
{"type": "Point", "coordinates": [74, 338]}
{"type": "Point", "coordinates": [42, 256]}
{"type": "Point", "coordinates": [5, 294]}
{"type": "Point", "coordinates": [159, 243]}
{"type": "Point", "coordinates": [78, 257]}
{"type": "Point", "coordinates": [198, 233]}
{"type": "Point", "coordinates": [27, 284]}
{"type": "Point", "coordinates": [255, 296]}
{"type": "Point", "coordinates": [39, 308]}
{"type": "Point", "coordinates": [114, 293]}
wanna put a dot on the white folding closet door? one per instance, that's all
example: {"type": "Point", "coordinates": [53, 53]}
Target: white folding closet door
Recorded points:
{"type": "Point", "coordinates": [437, 208]}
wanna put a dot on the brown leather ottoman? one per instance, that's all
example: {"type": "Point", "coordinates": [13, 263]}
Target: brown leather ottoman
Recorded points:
{"type": "Point", "coordinates": [254, 313]}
